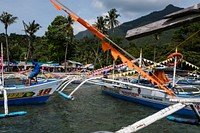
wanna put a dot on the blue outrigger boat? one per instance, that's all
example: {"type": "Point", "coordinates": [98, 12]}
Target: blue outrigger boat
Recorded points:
{"type": "Point", "coordinates": [14, 91]}
{"type": "Point", "coordinates": [19, 93]}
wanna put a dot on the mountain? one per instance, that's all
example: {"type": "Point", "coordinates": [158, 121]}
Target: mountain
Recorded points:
{"type": "Point", "coordinates": [120, 31]}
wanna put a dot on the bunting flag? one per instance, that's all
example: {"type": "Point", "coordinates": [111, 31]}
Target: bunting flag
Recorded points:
{"type": "Point", "coordinates": [182, 60]}
{"type": "Point", "coordinates": [106, 46]}
{"type": "Point", "coordinates": [190, 64]}
{"type": "Point", "coordinates": [115, 54]}
{"type": "Point", "coordinates": [125, 60]}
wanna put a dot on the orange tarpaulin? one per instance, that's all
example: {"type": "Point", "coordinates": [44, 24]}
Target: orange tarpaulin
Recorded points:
{"type": "Point", "coordinates": [160, 77]}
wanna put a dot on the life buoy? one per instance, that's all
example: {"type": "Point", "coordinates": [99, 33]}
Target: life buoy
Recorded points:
{"type": "Point", "coordinates": [179, 57]}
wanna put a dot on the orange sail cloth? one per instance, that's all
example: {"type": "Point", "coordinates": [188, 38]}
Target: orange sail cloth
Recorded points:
{"type": "Point", "coordinates": [106, 46]}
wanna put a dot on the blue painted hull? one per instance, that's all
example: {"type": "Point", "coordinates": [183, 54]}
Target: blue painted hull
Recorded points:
{"type": "Point", "coordinates": [157, 105]}
{"type": "Point", "coordinates": [27, 100]}
{"type": "Point", "coordinates": [34, 94]}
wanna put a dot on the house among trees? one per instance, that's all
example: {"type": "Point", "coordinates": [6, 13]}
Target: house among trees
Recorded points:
{"type": "Point", "coordinates": [72, 65]}
{"type": "Point", "coordinates": [47, 66]}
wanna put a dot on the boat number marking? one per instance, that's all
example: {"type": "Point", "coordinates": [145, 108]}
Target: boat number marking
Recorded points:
{"type": "Point", "coordinates": [44, 92]}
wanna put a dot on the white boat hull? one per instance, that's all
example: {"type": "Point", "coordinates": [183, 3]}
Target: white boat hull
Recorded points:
{"type": "Point", "coordinates": [147, 96]}
{"type": "Point", "coordinates": [38, 93]}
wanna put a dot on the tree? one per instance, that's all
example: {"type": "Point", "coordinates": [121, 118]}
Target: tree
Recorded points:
{"type": "Point", "coordinates": [30, 30]}
{"type": "Point", "coordinates": [112, 22]}
{"type": "Point", "coordinates": [112, 19]}
{"type": "Point", "coordinates": [7, 19]}
{"type": "Point", "coordinates": [187, 40]}
{"type": "Point", "coordinates": [70, 34]}
{"type": "Point", "coordinates": [57, 36]}
{"type": "Point", "coordinates": [101, 26]}
{"type": "Point", "coordinates": [85, 50]}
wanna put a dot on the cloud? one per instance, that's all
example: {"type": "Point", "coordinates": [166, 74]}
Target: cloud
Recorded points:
{"type": "Point", "coordinates": [134, 5]}
{"type": "Point", "coordinates": [133, 8]}
{"type": "Point", "coordinates": [97, 4]}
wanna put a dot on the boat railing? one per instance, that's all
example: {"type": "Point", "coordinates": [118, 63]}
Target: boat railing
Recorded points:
{"type": "Point", "coordinates": [67, 82]}
{"type": "Point", "coordinates": [6, 112]}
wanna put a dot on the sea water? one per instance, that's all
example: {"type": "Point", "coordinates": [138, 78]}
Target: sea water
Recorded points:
{"type": "Point", "coordinates": [90, 111]}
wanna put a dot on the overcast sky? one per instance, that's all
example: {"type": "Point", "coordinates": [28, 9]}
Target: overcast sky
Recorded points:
{"type": "Point", "coordinates": [43, 12]}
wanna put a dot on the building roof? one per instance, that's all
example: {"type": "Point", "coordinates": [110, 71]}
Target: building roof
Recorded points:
{"type": "Point", "coordinates": [74, 62]}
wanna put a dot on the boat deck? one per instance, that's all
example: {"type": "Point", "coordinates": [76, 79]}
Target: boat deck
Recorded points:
{"type": "Point", "coordinates": [21, 83]}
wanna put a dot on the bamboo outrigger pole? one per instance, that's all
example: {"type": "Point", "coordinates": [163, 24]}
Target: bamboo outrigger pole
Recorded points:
{"type": "Point", "coordinates": [106, 46]}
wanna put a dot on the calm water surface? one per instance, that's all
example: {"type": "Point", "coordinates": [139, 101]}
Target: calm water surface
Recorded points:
{"type": "Point", "coordinates": [90, 111]}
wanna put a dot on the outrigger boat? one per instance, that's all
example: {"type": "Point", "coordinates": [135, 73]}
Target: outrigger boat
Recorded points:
{"type": "Point", "coordinates": [21, 94]}
{"type": "Point", "coordinates": [159, 95]}
{"type": "Point", "coordinates": [14, 91]}
{"type": "Point", "coordinates": [35, 93]}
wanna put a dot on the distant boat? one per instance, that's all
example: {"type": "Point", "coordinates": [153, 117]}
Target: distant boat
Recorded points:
{"type": "Point", "coordinates": [188, 81]}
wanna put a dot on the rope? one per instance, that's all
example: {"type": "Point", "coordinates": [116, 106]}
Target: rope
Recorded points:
{"type": "Point", "coordinates": [179, 44]}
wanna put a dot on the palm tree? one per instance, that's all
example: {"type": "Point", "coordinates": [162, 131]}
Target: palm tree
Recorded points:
{"type": "Point", "coordinates": [7, 19]}
{"type": "Point", "coordinates": [112, 19]}
{"type": "Point", "coordinates": [112, 22]}
{"type": "Point", "coordinates": [101, 26]}
{"type": "Point", "coordinates": [69, 36]}
{"type": "Point", "coordinates": [30, 30]}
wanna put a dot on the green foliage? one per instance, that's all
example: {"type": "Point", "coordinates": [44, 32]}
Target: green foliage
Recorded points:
{"type": "Point", "coordinates": [101, 24]}
{"type": "Point", "coordinates": [112, 18]}
{"type": "Point", "coordinates": [188, 42]}
{"type": "Point", "coordinates": [30, 31]}
{"type": "Point", "coordinates": [57, 38]}
{"type": "Point", "coordinates": [7, 19]}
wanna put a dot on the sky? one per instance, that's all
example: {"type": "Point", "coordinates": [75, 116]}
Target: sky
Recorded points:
{"type": "Point", "coordinates": [43, 12]}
